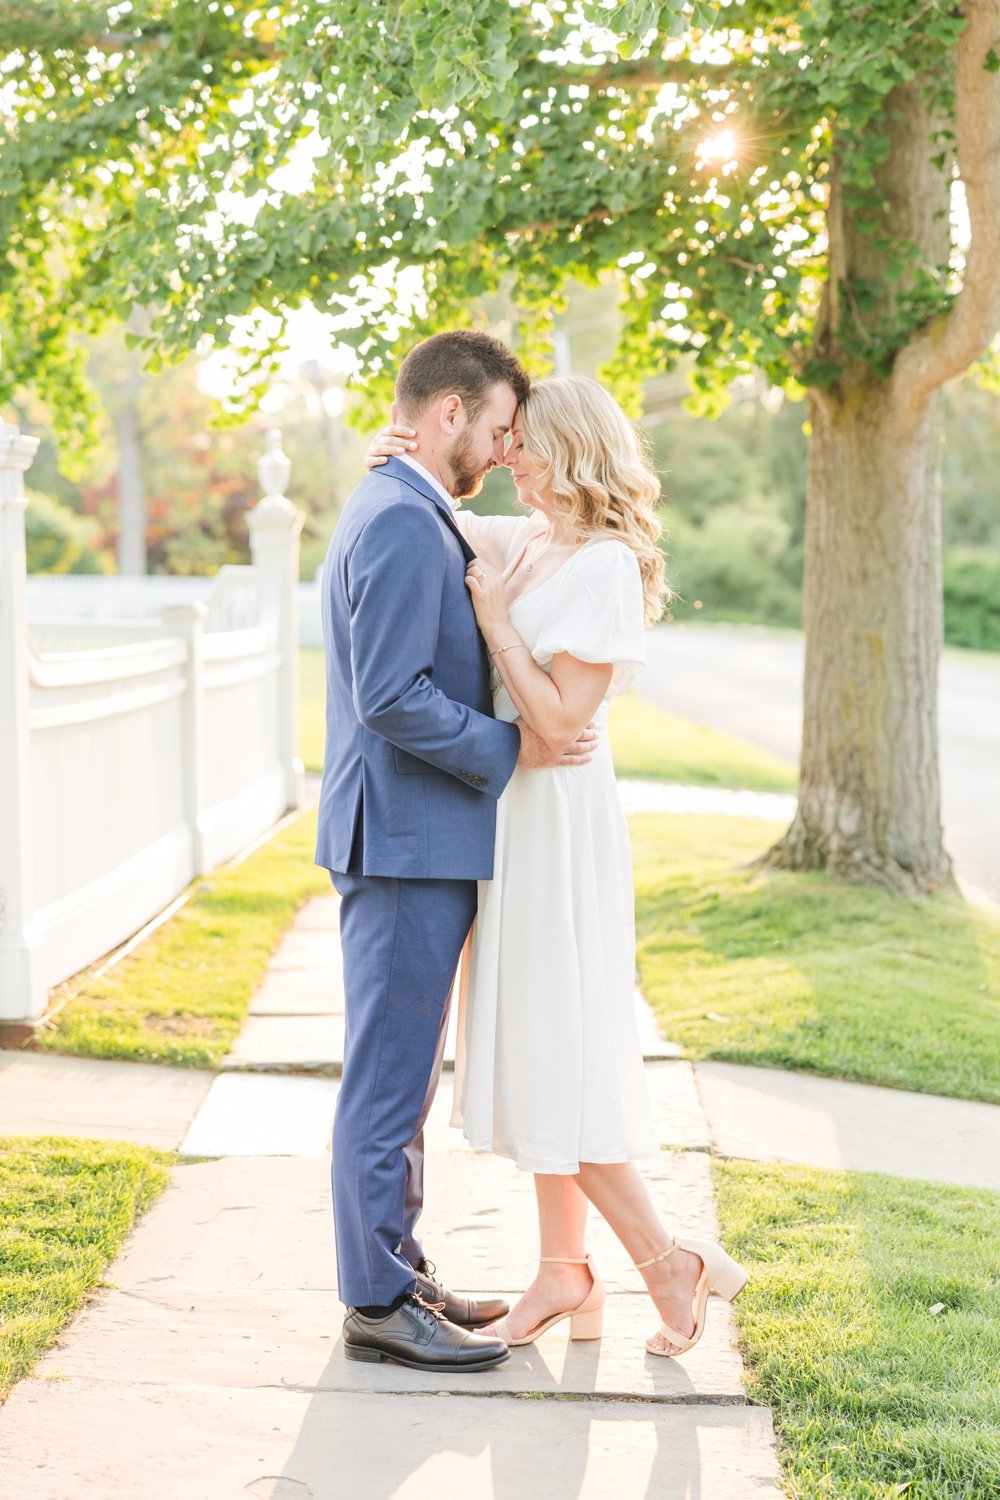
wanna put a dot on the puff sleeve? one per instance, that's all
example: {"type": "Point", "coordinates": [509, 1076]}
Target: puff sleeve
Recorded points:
{"type": "Point", "coordinates": [597, 613]}
{"type": "Point", "coordinates": [498, 540]}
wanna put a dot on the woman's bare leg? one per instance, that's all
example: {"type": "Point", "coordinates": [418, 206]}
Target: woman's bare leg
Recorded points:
{"type": "Point", "coordinates": [619, 1194]}
{"type": "Point", "coordinates": [558, 1287]}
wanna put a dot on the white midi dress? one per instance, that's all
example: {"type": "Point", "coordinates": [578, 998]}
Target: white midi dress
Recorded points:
{"type": "Point", "coordinates": [549, 1063]}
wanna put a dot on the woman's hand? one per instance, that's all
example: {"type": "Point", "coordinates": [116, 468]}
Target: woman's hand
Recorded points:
{"type": "Point", "coordinates": [485, 587]}
{"type": "Point", "coordinates": [391, 441]}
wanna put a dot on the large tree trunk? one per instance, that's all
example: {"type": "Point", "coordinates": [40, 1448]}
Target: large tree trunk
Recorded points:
{"type": "Point", "coordinates": [869, 804]}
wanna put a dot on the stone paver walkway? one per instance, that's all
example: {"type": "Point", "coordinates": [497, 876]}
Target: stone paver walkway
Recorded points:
{"type": "Point", "coordinates": [668, 796]}
{"type": "Point", "coordinates": [42, 1093]}
{"type": "Point", "coordinates": [296, 1020]}
{"type": "Point", "coordinates": [765, 1114]}
{"type": "Point", "coordinates": [210, 1364]}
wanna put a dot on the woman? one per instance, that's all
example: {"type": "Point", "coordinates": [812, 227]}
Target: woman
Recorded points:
{"type": "Point", "coordinates": [549, 1069]}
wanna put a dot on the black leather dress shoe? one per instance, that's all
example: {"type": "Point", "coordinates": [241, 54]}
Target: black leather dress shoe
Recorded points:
{"type": "Point", "coordinates": [420, 1337]}
{"type": "Point", "coordinates": [466, 1312]}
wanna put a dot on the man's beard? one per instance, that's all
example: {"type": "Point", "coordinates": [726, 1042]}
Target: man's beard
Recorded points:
{"type": "Point", "coordinates": [467, 479]}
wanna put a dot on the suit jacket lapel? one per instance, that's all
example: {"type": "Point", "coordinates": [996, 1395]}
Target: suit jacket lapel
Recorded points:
{"type": "Point", "coordinates": [417, 482]}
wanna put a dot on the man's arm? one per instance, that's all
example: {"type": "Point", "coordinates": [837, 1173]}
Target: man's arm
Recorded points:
{"type": "Point", "coordinates": [396, 575]}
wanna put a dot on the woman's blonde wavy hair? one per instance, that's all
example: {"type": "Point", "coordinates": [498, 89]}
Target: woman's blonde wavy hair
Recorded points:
{"type": "Point", "coordinates": [595, 467]}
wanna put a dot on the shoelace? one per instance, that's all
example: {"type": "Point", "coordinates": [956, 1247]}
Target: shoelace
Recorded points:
{"type": "Point", "coordinates": [436, 1308]}
{"type": "Point", "coordinates": [429, 1273]}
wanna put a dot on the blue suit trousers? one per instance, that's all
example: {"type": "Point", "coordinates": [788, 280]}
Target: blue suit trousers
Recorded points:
{"type": "Point", "coordinates": [401, 941]}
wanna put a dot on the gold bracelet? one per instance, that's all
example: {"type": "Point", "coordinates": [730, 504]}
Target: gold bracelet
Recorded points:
{"type": "Point", "coordinates": [510, 647]}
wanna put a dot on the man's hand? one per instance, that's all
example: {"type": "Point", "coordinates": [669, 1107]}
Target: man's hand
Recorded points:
{"type": "Point", "coordinates": [537, 756]}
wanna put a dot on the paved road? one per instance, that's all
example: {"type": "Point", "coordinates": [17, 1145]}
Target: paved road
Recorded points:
{"type": "Point", "coordinates": [748, 680]}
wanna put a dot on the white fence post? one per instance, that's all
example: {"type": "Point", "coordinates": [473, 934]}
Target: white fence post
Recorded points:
{"type": "Point", "coordinates": [187, 621]}
{"type": "Point", "coordinates": [22, 990]}
{"type": "Point", "coordinates": [275, 526]}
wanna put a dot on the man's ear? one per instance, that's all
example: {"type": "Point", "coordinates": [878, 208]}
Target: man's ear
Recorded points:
{"type": "Point", "coordinates": [393, 412]}
{"type": "Point", "coordinates": [451, 413]}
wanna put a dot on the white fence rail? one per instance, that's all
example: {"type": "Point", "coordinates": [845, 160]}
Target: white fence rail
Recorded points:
{"type": "Point", "coordinates": [66, 610]}
{"type": "Point", "coordinates": [139, 750]}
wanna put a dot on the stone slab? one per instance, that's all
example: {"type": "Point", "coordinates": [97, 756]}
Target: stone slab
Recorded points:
{"type": "Point", "coordinates": [638, 796]}
{"type": "Point", "coordinates": [308, 947]}
{"type": "Point", "coordinates": [296, 1023]}
{"type": "Point", "coordinates": [243, 1225]}
{"type": "Point", "coordinates": [244, 1248]}
{"type": "Point", "coordinates": [268, 1114]}
{"type": "Point", "coordinates": [263, 1114]}
{"type": "Point", "coordinates": [89, 1098]}
{"type": "Point", "coordinates": [293, 1043]}
{"type": "Point", "coordinates": [301, 991]}
{"type": "Point", "coordinates": [290, 1340]}
{"type": "Point", "coordinates": [83, 1440]}
{"type": "Point", "coordinates": [305, 983]}
{"type": "Point", "coordinates": [480, 1221]}
{"type": "Point", "coordinates": [655, 1047]}
{"type": "Point", "coordinates": [265, 1222]}
{"type": "Point", "coordinates": [233, 1272]}
{"type": "Point", "coordinates": [321, 914]}
{"type": "Point", "coordinates": [763, 1114]}
{"type": "Point", "coordinates": [677, 1112]}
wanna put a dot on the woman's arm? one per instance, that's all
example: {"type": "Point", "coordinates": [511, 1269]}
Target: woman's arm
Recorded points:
{"type": "Point", "coordinates": [557, 704]}
{"type": "Point", "coordinates": [496, 538]}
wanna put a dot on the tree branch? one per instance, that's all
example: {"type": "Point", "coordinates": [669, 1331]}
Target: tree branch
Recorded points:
{"type": "Point", "coordinates": [553, 226]}
{"type": "Point", "coordinates": [951, 344]}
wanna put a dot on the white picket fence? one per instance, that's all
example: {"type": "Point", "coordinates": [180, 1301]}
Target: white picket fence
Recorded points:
{"type": "Point", "coordinates": [96, 609]}
{"type": "Point", "coordinates": [137, 751]}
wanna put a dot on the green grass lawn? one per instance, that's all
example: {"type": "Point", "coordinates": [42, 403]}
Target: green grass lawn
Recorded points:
{"type": "Point", "coordinates": [651, 744]}
{"type": "Point", "coordinates": [67, 1207]}
{"type": "Point", "coordinates": [798, 971]}
{"type": "Point", "coordinates": [874, 1393]}
{"type": "Point", "coordinates": [183, 994]}
{"type": "Point", "coordinates": [647, 742]}
{"type": "Point", "coordinates": [312, 707]}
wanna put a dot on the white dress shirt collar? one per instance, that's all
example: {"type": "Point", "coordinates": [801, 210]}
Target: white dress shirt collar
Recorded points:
{"type": "Point", "coordinates": [406, 459]}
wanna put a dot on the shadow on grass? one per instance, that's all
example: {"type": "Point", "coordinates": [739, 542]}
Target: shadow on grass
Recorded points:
{"type": "Point", "coordinates": [871, 1326]}
{"type": "Point", "coordinates": [798, 971]}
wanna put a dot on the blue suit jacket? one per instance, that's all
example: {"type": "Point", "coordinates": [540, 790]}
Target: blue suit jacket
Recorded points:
{"type": "Point", "coordinates": [415, 759]}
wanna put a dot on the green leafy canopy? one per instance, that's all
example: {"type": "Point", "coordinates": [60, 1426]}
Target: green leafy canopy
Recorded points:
{"type": "Point", "coordinates": [497, 146]}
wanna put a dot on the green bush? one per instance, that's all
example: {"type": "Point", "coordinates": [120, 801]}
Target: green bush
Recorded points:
{"type": "Point", "coordinates": [61, 541]}
{"type": "Point", "coordinates": [972, 598]}
{"type": "Point", "coordinates": [741, 562]}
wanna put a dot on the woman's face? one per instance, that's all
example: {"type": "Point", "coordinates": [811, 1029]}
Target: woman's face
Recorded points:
{"type": "Point", "coordinates": [526, 470]}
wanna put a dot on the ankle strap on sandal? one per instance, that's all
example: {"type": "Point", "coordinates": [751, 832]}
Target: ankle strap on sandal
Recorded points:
{"type": "Point", "coordinates": [641, 1265]}
{"type": "Point", "coordinates": [561, 1260]}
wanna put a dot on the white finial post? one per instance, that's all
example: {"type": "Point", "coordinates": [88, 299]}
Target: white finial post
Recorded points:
{"type": "Point", "coordinates": [274, 468]}
{"type": "Point", "coordinates": [23, 991]}
{"type": "Point", "coordinates": [275, 527]}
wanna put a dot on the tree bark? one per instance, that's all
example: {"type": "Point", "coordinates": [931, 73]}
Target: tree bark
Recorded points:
{"type": "Point", "coordinates": [869, 801]}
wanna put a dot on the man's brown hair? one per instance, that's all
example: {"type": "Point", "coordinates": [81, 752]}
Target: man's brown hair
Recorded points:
{"type": "Point", "coordinates": [462, 363]}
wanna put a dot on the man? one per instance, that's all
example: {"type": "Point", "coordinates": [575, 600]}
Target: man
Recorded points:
{"type": "Point", "coordinates": [414, 764]}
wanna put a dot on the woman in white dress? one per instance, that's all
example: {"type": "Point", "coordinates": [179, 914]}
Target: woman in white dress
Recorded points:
{"type": "Point", "coordinates": [549, 1070]}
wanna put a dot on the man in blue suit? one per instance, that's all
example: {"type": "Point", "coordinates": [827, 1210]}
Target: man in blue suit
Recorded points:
{"type": "Point", "coordinates": [415, 762]}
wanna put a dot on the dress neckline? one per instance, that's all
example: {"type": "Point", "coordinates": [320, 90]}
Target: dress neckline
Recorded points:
{"type": "Point", "coordinates": [528, 593]}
